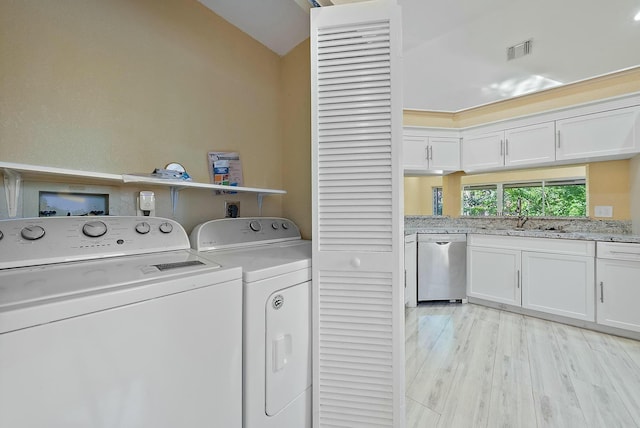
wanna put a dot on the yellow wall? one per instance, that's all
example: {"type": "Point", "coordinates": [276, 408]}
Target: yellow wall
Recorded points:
{"type": "Point", "coordinates": [296, 81]}
{"type": "Point", "coordinates": [418, 194]}
{"type": "Point", "coordinates": [127, 86]}
{"type": "Point", "coordinates": [525, 175]}
{"type": "Point", "coordinates": [634, 180]}
{"type": "Point", "coordinates": [608, 183]}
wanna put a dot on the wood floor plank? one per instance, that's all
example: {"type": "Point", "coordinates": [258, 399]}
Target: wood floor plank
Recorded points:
{"type": "Point", "coordinates": [422, 335]}
{"type": "Point", "coordinates": [468, 401]}
{"type": "Point", "coordinates": [479, 367]}
{"type": "Point", "coordinates": [625, 377]}
{"type": "Point", "coordinates": [420, 416]}
{"type": "Point", "coordinates": [580, 359]}
{"type": "Point", "coordinates": [554, 396]}
{"type": "Point", "coordinates": [433, 381]}
{"type": "Point", "coordinates": [512, 403]}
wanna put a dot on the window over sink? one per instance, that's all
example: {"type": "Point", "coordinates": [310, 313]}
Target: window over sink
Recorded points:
{"type": "Point", "coordinates": [545, 192]}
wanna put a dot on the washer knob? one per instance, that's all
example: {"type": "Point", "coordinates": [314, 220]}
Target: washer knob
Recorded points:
{"type": "Point", "coordinates": [94, 229]}
{"type": "Point", "coordinates": [32, 233]}
{"type": "Point", "coordinates": [255, 226]}
{"type": "Point", "coordinates": [275, 226]}
{"type": "Point", "coordinates": [1, 235]}
{"type": "Point", "coordinates": [285, 226]}
{"type": "Point", "coordinates": [143, 228]}
{"type": "Point", "coordinates": [166, 227]}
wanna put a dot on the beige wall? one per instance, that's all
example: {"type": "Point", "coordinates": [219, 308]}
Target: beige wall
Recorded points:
{"type": "Point", "coordinates": [296, 123]}
{"type": "Point", "coordinates": [127, 86]}
{"type": "Point", "coordinates": [634, 189]}
{"type": "Point", "coordinates": [418, 194]}
{"type": "Point", "coordinates": [608, 183]}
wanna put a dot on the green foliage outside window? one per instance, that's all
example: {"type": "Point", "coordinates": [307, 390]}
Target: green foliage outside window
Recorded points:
{"type": "Point", "coordinates": [550, 200]}
{"type": "Point", "coordinates": [480, 202]}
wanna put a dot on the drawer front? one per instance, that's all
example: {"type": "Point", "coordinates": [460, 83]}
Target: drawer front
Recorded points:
{"type": "Point", "coordinates": [547, 245]}
{"type": "Point", "coordinates": [618, 251]}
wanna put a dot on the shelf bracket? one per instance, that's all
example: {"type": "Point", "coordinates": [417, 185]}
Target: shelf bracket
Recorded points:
{"type": "Point", "coordinates": [12, 181]}
{"type": "Point", "coordinates": [260, 197]}
{"type": "Point", "coordinates": [174, 191]}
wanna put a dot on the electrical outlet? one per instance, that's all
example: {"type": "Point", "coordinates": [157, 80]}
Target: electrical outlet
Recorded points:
{"type": "Point", "coordinates": [603, 211]}
{"type": "Point", "coordinates": [232, 209]}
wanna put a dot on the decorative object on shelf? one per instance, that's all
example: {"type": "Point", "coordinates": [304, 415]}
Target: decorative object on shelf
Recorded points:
{"type": "Point", "coordinates": [225, 168]}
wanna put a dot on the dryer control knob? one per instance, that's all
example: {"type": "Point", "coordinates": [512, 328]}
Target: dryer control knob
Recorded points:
{"type": "Point", "coordinates": [32, 233]}
{"type": "Point", "coordinates": [143, 228]}
{"type": "Point", "coordinates": [166, 227]}
{"type": "Point", "coordinates": [275, 225]}
{"type": "Point", "coordinates": [285, 226]}
{"type": "Point", "coordinates": [255, 226]}
{"type": "Point", "coordinates": [1, 235]}
{"type": "Point", "coordinates": [94, 229]}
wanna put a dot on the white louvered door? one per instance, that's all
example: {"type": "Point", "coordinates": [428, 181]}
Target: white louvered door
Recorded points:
{"type": "Point", "coordinates": [358, 242]}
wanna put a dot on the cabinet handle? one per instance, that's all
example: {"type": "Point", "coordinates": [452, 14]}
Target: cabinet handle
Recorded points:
{"type": "Point", "coordinates": [601, 292]}
{"type": "Point", "coordinates": [518, 278]}
{"type": "Point", "coordinates": [431, 152]}
{"type": "Point", "coordinates": [501, 147]}
{"type": "Point", "coordinates": [558, 139]}
{"type": "Point", "coordinates": [506, 147]}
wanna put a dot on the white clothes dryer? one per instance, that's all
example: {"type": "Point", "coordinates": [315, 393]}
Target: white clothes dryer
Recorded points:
{"type": "Point", "coordinates": [116, 322]}
{"type": "Point", "coordinates": [276, 271]}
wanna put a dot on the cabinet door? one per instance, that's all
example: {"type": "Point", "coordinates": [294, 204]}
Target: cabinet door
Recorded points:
{"type": "Point", "coordinates": [444, 153]}
{"type": "Point", "coordinates": [559, 284]}
{"type": "Point", "coordinates": [411, 274]}
{"type": "Point", "coordinates": [415, 152]}
{"type": "Point", "coordinates": [608, 133]}
{"type": "Point", "coordinates": [618, 294]}
{"type": "Point", "coordinates": [494, 274]}
{"type": "Point", "coordinates": [530, 145]}
{"type": "Point", "coordinates": [480, 152]}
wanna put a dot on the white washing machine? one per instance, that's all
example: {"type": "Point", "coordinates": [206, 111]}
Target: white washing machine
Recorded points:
{"type": "Point", "coordinates": [276, 266]}
{"type": "Point", "coordinates": [116, 322]}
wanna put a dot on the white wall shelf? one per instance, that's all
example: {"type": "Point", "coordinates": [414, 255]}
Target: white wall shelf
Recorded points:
{"type": "Point", "coordinates": [15, 173]}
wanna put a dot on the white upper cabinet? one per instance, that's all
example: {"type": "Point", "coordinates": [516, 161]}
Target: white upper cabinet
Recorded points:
{"type": "Point", "coordinates": [530, 145]}
{"type": "Point", "coordinates": [424, 153]}
{"type": "Point", "coordinates": [608, 134]}
{"type": "Point", "coordinates": [517, 147]}
{"type": "Point", "coordinates": [481, 152]}
{"type": "Point", "coordinates": [415, 152]}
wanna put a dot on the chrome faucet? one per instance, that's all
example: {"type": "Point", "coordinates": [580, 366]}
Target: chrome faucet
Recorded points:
{"type": "Point", "coordinates": [521, 218]}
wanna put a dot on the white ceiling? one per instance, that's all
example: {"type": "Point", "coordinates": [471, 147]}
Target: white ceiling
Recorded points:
{"type": "Point", "coordinates": [455, 51]}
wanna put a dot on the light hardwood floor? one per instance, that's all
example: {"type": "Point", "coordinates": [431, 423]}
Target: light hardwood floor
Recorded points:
{"type": "Point", "coordinates": [471, 366]}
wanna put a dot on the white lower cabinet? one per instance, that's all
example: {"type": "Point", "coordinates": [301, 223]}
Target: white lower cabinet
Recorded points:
{"type": "Point", "coordinates": [618, 285]}
{"type": "Point", "coordinates": [559, 284]}
{"type": "Point", "coordinates": [410, 271]}
{"type": "Point", "coordinates": [546, 275]}
{"type": "Point", "coordinates": [494, 274]}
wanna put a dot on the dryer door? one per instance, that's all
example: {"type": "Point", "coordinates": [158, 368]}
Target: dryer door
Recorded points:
{"type": "Point", "coordinates": [288, 350]}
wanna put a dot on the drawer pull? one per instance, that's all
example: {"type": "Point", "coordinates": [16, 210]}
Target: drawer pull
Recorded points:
{"type": "Point", "coordinates": [630, 253]}
{"type": "Point", "coordinates": [601, 292]}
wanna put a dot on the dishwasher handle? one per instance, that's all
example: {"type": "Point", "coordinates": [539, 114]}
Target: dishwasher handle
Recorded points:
{"type": "Point", "coordinates": [443, 242]}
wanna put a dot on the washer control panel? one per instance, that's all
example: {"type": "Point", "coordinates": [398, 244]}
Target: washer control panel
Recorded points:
{"type": "Point", "coordinates": [239, 232]}
{"type": "Point", "coordinates": [35, 241]}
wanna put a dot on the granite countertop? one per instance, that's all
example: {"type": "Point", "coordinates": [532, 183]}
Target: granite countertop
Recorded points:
{"type": "Point", "coordinates": [530, 233]}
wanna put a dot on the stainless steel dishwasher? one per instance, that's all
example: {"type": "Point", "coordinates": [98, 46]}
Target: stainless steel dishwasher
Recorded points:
{"type": "Point", "coordinates": [442, 267]}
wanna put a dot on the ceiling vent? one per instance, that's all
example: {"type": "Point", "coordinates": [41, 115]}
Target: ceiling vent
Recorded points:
{"type": "Point", "coordinates": [519, 50]}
